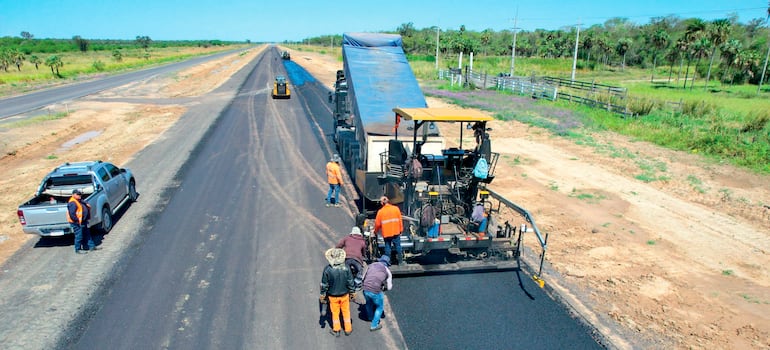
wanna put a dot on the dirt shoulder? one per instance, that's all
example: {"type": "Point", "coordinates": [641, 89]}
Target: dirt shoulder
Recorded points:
{"type": "Point", "coordinates": [96, 127]}
{"type": "Point", "coordinates": [675, 263]}
{"type": "Point", "coordinates": [680, 262]}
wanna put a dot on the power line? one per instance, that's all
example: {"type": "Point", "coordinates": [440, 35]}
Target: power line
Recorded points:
{"type": "Point", "coordinates": [681, 14]}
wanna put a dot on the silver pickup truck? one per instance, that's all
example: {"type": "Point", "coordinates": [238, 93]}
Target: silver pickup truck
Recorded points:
{"type": "Point", "coordinates": [106, 188]}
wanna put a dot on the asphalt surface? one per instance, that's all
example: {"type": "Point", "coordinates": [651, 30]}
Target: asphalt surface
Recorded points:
{"type": "Point", "coordinates": [224, 250]}
{"type": "Point", "coordinates": [35, 100]}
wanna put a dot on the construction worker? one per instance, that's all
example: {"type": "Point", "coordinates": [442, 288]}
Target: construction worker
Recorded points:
{"type": "Point", "coordinates": [388, 222]}
{"type": "Point", "coordinates": [334, 178]}
{"type": "Point", "coordinates": [355, 247]}
{"type": "Point", "coordinates": [378, 279]}
{"type": "Point", "coordinates": [78, 213]}
{"type": "Point", "coordinates": [337, 286]}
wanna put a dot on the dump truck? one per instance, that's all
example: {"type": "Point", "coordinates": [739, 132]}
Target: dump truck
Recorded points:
{"type": "Point", "coordinates": [391, 145]}
{"type": "Point", "coordinates": [106, 188]}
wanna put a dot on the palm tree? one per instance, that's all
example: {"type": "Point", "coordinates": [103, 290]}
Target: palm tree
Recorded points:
{"type": "Point", "coordinates": [588, 43]}
{"type": "Point", "coordinates": [35, 60]}
{"type": "Point", "coordinates": [622, 48]}
{"type": "Point", "coordinates": [730, 51]}
{"type": "Point", "coordinates": [699, 49]}
{"type": "Point", "coordinates": [691, 35]}
{"type": "Point", "coordinates": [659, 42]}
{"type": "Point", "coordinates": [718, 32]}
{"type": "Point", "coordinates": [54, 62]}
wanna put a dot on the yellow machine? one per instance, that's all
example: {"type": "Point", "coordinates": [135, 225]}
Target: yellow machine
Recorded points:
{"type": "Point", "coordinates": [281, 88]}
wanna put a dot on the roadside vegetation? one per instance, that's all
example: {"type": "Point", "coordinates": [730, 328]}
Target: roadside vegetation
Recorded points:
{"type": "Point", "coordinates": [691, 85]}
{"type": "Point", "coordinates": [27, 63]}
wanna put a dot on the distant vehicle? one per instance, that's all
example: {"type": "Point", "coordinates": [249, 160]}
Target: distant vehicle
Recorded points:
{"type": "Point", "coordinates": [281, 88]}
{"type": "Point", "coordinates": [286, 55]}
{"type": "Point", "coordinates": [106, 188]}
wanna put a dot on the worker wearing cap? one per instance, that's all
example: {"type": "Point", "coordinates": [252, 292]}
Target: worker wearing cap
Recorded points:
{"type": "Point", "coordinates": [334, 177]}
{"type": "Point", "coordinates": [78, 213]}
{"type": "Point", "coordinates": [378, 279]}
{"type": "Point", "coordinates": [388, 222]}
{"type": "Point", "coordinates": [355, 247]}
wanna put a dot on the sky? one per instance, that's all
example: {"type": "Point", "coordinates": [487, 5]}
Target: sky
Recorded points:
{"type": "Point", "coordinates": [278, 21]}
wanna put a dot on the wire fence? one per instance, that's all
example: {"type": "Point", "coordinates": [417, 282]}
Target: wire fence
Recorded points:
{"type": "Point", "coordinates": [614, 99]}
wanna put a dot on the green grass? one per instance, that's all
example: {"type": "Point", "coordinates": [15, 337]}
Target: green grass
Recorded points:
{"type": "Point", "coordinates": [35, 120]}
{"type": "Point", "coordinates": [79, 64]}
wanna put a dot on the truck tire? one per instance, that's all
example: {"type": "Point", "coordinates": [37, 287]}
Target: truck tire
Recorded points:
{"type": "Point", "coordinates": [106, 224]}
{"type": "Point", "coordinates": [132, 194]}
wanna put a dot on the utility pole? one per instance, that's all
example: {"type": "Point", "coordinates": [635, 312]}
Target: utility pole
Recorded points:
{"type": "Point", "coordinates": [574, 59]}
{"type": "Point", "coordinates": [764, 68]}
{"type": "Point", "coordinates": [437, 34]}
{"type": "Point", "coordinates": [513, 46]}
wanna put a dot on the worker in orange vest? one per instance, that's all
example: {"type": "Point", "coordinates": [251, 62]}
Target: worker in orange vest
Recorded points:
{"type": "Point", "coordinates": [334, 177]}
{"type": "Point", "coordinates": [78, 213]}
{"type": "Point", "coordinates": [389, 223]}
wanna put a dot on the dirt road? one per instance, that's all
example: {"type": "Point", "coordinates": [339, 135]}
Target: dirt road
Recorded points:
{"type": "Point", "coordinates": [675, 263]}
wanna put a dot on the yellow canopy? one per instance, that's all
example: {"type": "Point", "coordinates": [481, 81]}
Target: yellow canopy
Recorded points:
{"type": "Point", "coordinates": [441, 115]}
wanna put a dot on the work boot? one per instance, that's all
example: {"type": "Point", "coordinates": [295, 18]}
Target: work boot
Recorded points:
{"type": "Point", "coordinates": [349, 333]}
{"type": "Point", "coordinates": [334, 333]}
{"type": "Point", "coordinates": [377, 328]}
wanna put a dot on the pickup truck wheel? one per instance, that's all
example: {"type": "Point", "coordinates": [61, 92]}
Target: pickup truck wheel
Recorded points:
{"type": "Point", "coordinates": [132, 191]}
{"type": "Point", "coordinates": [106, 220]}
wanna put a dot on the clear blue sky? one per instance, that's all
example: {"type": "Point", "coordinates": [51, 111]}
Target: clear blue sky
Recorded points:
{"type": "Point", "coordinates": [260, 20]}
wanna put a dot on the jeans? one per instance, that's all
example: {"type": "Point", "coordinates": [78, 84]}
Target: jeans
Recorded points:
{"type": "Point", "coordinates": [374, 302]}
{"type": "Point", "coordinates": [335, 189]}
{"type": "Point", "coordinates": [395, 240]}
{"type": "Point", "coordinates": [83, 238]}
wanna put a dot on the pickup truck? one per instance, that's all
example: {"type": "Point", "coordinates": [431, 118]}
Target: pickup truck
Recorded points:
{"type": "Point", "coordinates": [106, 188]}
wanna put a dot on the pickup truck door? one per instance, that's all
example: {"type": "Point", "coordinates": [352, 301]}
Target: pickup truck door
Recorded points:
{"type": "Point", "coordinates": [108, 187]}
{"type": "Point", "coordinates": [118, 184]}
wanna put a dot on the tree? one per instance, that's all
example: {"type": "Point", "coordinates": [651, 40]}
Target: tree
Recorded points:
{"type": "Point", "coordinates": [55, 63]}
{"type": "Point", "coordinates": [26, 35]}
{"type": "Point", "coordinates": [81, 43]}
{"type": "Point", "coordinates": [718, 32]}
{"type": "Point", "coordinates": [5, 59]}
{"type": "Point", "coordinates": [699, 49]}
{"type": "Point", "coordinates": [35, 60]}
{"type": "Point", "coordinates": [143, 41]}
{"type": "Point", "coordinates": [17, 57]}
{"type": "Point", "coordinates": [586, 45]}
{"type": "Point", "coordinates": [693, 32]}
{"type": "Point", "coordinates": [730, 51]}
{"type": "Point", "coordinates": [659, 41]}
{"type": "Point", "coordinates": [117, 55]}
{"type": "Point", "coordinates": [622, 48]}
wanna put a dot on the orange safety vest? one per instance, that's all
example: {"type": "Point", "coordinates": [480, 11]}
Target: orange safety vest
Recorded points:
{"type": "Point", "coordinates": [78, 211]}
{"type": "Point", "coordinates": [333, 173]}
{"type": "Point", "coordinates": [389, 221]}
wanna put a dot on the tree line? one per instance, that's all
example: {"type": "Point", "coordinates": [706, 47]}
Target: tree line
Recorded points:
{"type": "Point", "coordinates": [14, 51]}
{"type": "Point", "coordinates": [722, 49]}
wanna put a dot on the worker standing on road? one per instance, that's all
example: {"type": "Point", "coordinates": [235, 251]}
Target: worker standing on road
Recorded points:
{"type": "Point", "coordinates": [78, 213]}
{"type": "Point", "coordinates": [388, 222]}
{"type": "Point", "coordinates": [334, 177]}
{"type": "Point", "coordinates": [355, 247]}
{"type": "Point", "coordinates": [378, 279]}
{"type": "Point", "coordinates": [337, 286]}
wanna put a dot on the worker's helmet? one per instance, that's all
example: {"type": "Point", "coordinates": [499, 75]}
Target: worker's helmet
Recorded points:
{"type": "Point", "coordinates": [336, 158]}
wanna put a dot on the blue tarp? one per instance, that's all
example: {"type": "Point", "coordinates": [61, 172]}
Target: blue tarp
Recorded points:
{"type": "Point", "coordinates": [379, 79]}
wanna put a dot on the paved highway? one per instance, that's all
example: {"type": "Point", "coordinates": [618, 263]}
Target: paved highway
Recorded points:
{"type": "Point", "coordinates": [224, 250]}
{"type": "Point", "coordinates": [35, 100]}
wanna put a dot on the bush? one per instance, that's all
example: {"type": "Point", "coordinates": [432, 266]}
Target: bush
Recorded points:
{"type": "Point", "coordinates": [698, 108]}
{"type": "Point", "coordinates": [98, 65]}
